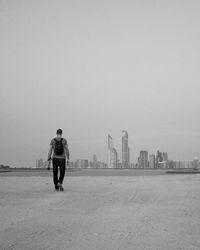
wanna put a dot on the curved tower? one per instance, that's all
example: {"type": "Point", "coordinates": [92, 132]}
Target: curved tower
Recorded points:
{"type": "Point", "coordinates": [113, 158]}
{"type": "Point", "coordinates": [125, 150]}
{"type": "Point", "coordinates": [112, 154]}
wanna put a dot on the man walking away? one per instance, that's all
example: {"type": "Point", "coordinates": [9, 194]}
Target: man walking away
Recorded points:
{"type": "Point", "coordinates": [59, 148]}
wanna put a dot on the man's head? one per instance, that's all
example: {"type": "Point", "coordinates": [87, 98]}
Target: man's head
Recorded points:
{"type": "Point", "coordinates": [59, 132]}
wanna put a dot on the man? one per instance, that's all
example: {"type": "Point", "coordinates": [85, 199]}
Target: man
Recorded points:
{"type": "Point", "coordinates": [59, 148]}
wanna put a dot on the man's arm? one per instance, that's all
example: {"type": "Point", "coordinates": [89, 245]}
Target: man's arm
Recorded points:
{"type": "Point", "coordinates": [49, 157]}
{"type": "Point", "coordinates": [50, 152]}
{"type": "Point", "coordinates": [67, 153]}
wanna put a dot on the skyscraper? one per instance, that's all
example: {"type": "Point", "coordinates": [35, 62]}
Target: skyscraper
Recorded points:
{"type": "Point", "coordinates": [39, 163]}
{"type": "Point", "coordinates": [112, 154]}
{"type": "Point", "coordinates": [165, 156]}
{"type": "Point", "coordinates": [125, 150]}
{"type": "Point", "coordinates": [82, 163]}
{"type": "Point", "coordinates": [114, 158]}
{"type": "Point", "coordinates": [143, 159]}
{"type": "Point", "coordinates": [110, 146]}
{"type": "Point", "coordinates": [95, 162]}
{"type": "Point", "coordinates": [159, 159]}
{"type": "Point", "coordinates": [152, 161]}
{"type": "Point", "coordinates": [195, 163]}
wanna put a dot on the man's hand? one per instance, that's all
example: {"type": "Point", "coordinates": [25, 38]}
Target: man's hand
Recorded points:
{"type": "Point", "coordinates": [49, 163]}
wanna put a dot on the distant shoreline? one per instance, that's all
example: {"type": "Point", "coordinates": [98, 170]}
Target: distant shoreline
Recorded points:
{"type": "Point", "coordinates": [28, 172]}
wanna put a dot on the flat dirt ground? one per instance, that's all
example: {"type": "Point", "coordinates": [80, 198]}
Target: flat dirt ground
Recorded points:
{"type": "Point", "coordinates": [100, 212]}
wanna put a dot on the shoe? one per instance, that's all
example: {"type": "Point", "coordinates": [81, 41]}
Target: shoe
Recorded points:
{"type": "Point", "coordinates": [56, 188]}
{"type": "Point", "coordinates": [60, 187]}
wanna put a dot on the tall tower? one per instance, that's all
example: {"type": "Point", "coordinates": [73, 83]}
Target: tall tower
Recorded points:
{"type": "Point", "coordinates": [152, 161]}
{"type": "Point", "coordinates": [110, 145]}
{"type": "Point", "coordinates": [114, 159]}
{"type": "Point", "coordinates": [95, 162]}
{"type": "Point", "coordinates": [112, 154]}
{"type": "Point", "coordinates": [165, 156]}
{"type": "Point", "coordinates": [143, 159]}
{"type": "Point", "coordinates": [125, 150]}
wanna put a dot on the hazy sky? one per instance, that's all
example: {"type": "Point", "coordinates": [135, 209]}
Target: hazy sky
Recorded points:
{"type": "Point", "coordinates": [95, 68]}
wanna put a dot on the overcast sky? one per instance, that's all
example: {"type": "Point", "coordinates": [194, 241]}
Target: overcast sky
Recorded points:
{"type": "Point", "coordinates": [95, 68]}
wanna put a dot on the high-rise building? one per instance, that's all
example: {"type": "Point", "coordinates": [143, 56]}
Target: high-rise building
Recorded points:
{"type": "Point", "coordinates": [82, 163]}
{"type": "Point", "coordinates": [71, 165]}
{"type": "Point", "coordinates": [110, 146]}
{"type": "Point", "coordinates": [195, 163]}
{"type": "Point", "coordinates": [119, 164]}
{"type": "Point", "coordinates": [170, 164]}
{"type": "Point", "coordinates": [101, 164]}
{"type": "Point", "coordinates": [177, 164]}
{"type": "Point", "coordinates": [132, 165]}
{"type": "Point", "coordinates": [125, 150]}
{"type": "Point", "coordinates": [159, 159]}
{"type": "Point", "coordinates": [39, 163]}
{"type": "Point", "coordinates": [95, 162]}
{"type": "Point", "coordinates": [112, 159]}
{"type": "Point", "coordinates": [128, 156]}
{"type": "Point", "coordinates": [165, 156]}
{"type": "Point", "coordinates": [143, 159]}
{"type": "Point", "coordinates": [152, 161]}
{"type": "Point", "coordinates": [162, 160]}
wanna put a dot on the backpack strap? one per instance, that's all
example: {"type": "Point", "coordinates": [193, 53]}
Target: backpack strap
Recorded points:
{"type": "Point", "coordinates": [57, 140]}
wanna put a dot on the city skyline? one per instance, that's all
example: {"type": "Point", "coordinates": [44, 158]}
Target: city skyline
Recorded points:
{"type": "Point", "coordinates": [113, 160]}
{"type": "Point", "coordinates": [160, 160]}
{"type": "Point", "coordinates": [145, 161]}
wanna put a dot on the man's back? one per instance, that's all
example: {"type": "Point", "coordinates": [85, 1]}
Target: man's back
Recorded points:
{"type": "Point", "coordinates": [55, 143]}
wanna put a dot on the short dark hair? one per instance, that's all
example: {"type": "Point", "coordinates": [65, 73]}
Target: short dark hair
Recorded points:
{"type": "Point", "coordinates": [59, 131]}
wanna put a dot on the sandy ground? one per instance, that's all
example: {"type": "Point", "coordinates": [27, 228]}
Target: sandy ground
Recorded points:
{"type": "Point", "coordinates": [137, 212]}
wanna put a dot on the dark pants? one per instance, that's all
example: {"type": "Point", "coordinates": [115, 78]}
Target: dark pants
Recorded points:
{"type": "Point", "coordinates": [61, 164]}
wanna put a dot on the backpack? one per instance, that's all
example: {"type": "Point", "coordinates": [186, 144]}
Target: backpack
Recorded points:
{"type": "Point", "coordinates": [59, 149]}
